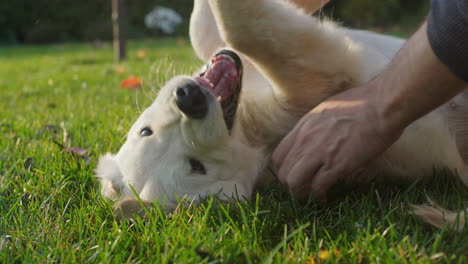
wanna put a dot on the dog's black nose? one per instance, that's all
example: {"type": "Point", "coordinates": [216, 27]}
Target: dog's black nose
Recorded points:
{"type": "Point", "coordinates": [191, 100]}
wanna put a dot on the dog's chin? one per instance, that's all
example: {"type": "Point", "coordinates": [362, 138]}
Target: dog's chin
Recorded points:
{"type": "Point", "coordinates": [222, 76]}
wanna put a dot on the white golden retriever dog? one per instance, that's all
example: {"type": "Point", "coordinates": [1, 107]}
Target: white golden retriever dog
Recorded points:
{"type": "Point", "coordinates": [203, 135]}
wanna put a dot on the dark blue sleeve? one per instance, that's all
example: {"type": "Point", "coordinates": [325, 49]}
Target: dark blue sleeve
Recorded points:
{"type": "Point", "coordinates": [447, 30]}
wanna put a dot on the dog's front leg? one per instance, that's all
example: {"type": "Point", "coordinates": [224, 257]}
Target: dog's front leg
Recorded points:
{"type": "Point", "coordinates": [131, 207]}
{"type": "Point", "coordinates": [305, 59]}
{"type": "Point", "coordinates": [204, 34]}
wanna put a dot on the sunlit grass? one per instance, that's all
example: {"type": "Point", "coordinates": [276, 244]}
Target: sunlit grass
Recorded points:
{"type": "Point", "coordinates": [60, 96]}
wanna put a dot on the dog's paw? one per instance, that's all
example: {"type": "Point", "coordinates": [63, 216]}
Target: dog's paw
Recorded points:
{"type": "Point", "coordinates": [110, 190]}
{"type": "Point", "coordinates": [110, 176]}
{"type": "Point", "coordinates": [440, 217]}
{"type": "Point", "coordinates": [130, 207]}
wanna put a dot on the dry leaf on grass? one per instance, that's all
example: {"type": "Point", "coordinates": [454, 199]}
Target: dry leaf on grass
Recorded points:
{"type": "Point", "coordinates": [141, 53]}
{"type": "Point", "coordinates": [180, 41]}
{"type": "Point", "coordinates": [120, 69]}
{"type": "Point", "coordinates": [76, 150]}
{"type": "Point", "coordinates": [131, 82]}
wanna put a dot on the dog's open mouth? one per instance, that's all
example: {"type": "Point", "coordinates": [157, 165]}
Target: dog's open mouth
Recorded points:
{"type": "Point", "coordinates": [223, 77]}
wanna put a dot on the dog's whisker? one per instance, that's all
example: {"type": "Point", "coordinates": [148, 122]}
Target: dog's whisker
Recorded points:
{"type": "Point", "coordinates": [137, 103]}
{"type": "Point", "coordinates": [123, 138]}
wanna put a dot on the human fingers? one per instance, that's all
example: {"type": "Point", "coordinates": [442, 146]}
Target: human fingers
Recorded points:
{"type": "Point", "coordinates": [323, 180]}
{"type": "Point", "coordinates": [298, 149]}
{"type": "Point", "coordinates": [301, 175]}
{"type": "Point", "coordinates": [283, 149]}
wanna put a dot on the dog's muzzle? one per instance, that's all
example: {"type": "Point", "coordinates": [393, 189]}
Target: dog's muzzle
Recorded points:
{"type": "Point", "coordinates": [222, 76]}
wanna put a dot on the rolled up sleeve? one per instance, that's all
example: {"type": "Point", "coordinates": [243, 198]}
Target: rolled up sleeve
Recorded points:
{"type": "Point", "coordinates": [447, 30]}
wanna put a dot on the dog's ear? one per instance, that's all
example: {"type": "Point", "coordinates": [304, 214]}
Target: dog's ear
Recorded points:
{"type": "Point", "coordinates": [109, 173]}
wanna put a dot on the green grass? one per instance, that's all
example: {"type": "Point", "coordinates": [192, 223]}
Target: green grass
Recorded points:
{"type": "Point", "coordinates": [51, 210]}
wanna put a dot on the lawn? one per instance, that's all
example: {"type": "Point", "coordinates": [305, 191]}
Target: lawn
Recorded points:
{"type": "Point", "coordinates": [57, 97]}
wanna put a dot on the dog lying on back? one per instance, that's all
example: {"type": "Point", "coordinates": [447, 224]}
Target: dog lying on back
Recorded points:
{"type": "Point", "coordinates": [214, 132]}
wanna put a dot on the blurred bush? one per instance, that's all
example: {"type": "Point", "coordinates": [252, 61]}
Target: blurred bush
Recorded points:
{"type": "Point", "coordinates": [378, 13]}
{"type": "Point", "coordinates": [43, 21]}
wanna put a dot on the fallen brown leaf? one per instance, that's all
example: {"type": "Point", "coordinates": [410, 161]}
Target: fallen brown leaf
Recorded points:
{"type": "Point", "coordinates": [76, 150]}
{"type": "Point", "coordinates": [131, 82]}
{"type": "Point", "coordinates": [120, 69]}
{"type": "Point", "coordinates": [141, 53]}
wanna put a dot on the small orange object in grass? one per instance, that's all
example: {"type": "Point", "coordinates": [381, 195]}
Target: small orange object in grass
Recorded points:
{"type": "Point", "coordinates": [141, 53]}
{"type": "Point", "coordinates": [120, 69]}
{"type": "Point", "coordinates": [131, 83]}
{"type": "Point", "coordinates": [323, 256]}
{"type": "Point", "coordinates": [180, 41]}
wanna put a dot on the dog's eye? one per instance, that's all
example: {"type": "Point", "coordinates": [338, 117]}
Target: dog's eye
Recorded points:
{"type": "Point", "coordinates": [197, 166]}
{"type": "Point", "coordinates": [145, 132]}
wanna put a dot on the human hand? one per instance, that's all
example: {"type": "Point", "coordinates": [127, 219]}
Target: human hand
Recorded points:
{"type": "Point", "coordinates": [343, 133]}
{"type": "Point", "coordinates": [332, 141]}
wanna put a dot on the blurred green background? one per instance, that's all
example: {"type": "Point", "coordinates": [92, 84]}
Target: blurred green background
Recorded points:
{"type": "Point", "coordinates": [47, 21]}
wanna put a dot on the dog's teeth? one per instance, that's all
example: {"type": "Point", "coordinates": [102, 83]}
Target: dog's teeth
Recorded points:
{"type": "Point", "coordinates": [203, 70]}
{"type": "Point", "coordinates": [209, 82]}
{"type": "Point", "coordinates": [227, 57]}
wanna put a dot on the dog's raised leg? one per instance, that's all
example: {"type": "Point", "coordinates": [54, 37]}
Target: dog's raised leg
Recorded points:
{"type": "Point", "coordinates": [204, 34]}
{"type": "Point", "coordinates": [307, 60]}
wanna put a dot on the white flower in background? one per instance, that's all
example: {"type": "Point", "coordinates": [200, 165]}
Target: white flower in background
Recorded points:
{"type": "Point", "coordinates": [163, 18]}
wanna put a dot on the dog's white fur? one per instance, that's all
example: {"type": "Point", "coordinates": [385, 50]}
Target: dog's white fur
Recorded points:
{"type": "Point", "coordinates": [292, 62]}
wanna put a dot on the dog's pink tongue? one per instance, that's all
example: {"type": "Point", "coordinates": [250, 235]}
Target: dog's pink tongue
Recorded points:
{"type": "Point", "coordinates": [224, 77]}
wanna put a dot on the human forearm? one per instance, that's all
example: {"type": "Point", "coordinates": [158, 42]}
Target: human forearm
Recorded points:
{"type": "Point", "coordinates": [414, 83]}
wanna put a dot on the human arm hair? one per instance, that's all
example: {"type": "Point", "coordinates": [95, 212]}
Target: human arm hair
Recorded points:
{"type": "Point", "coordinates": [415, 82]}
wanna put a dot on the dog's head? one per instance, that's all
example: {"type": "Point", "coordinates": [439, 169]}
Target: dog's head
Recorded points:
{"type": "Point", "coordinates": [186, 143]}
